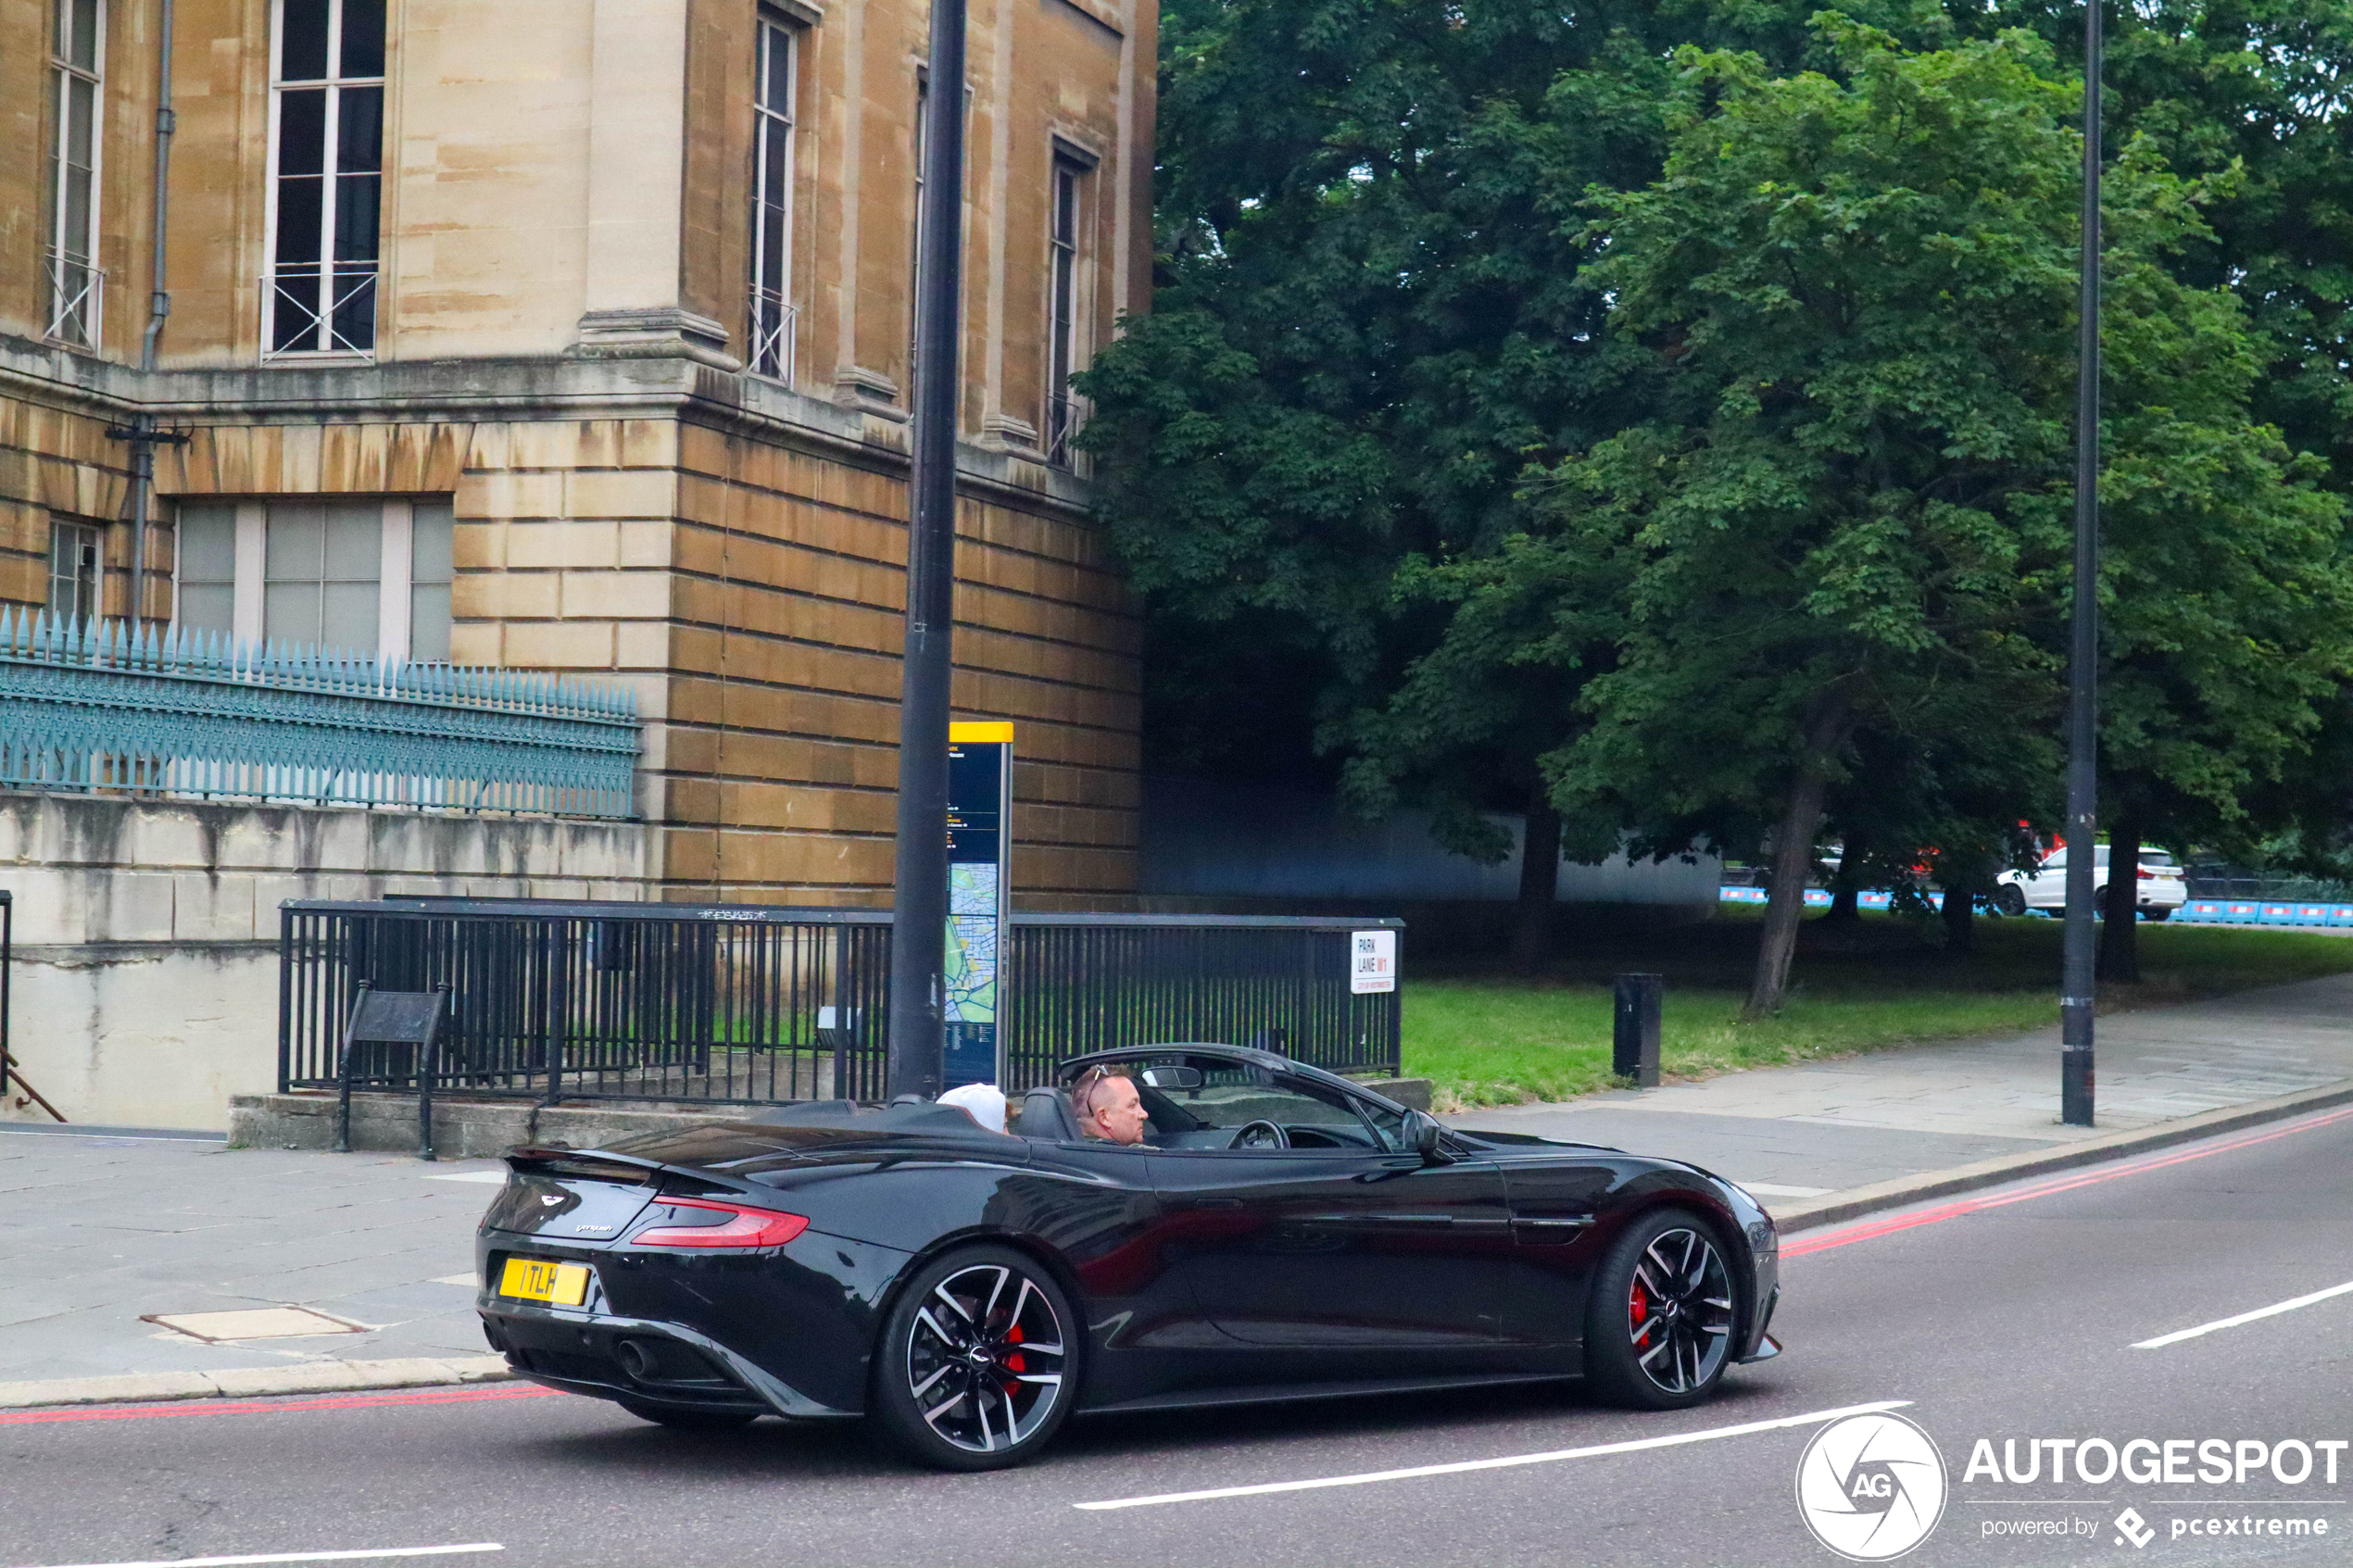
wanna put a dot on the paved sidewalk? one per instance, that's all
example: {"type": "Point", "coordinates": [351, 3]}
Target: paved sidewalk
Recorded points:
{"type": "Point", "coordinates": [98, 1232]}
{"type": "Point", "coordinates": [1805, 1131]}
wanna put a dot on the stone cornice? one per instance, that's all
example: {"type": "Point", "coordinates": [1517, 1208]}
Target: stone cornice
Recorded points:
{"type": "Point", "coordinates": [519, 389]}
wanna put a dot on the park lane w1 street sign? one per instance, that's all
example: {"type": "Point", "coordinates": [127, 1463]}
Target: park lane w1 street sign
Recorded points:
{"type": "Point", "coordinates": [980, 792]}
{"type": "Point", "coordinates": [1372, 962]}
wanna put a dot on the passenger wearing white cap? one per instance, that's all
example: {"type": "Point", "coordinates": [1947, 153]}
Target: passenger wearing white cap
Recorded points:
{"type": "Point", "coordinates": [985, 1103]}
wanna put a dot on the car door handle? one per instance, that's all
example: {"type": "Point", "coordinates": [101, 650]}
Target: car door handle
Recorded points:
{"type": "Point", "coordinates": [1213, 1203]}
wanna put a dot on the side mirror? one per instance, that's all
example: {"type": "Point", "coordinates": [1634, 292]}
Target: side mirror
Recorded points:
{"type": "Point", "coordinates": [1429, 1139]}
{"type": "Point", "coordinates": [1173, 1077]}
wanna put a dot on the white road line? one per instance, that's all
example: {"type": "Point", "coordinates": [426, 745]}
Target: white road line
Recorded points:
{"type": "Point", "coordinates": [2181, 1334]}
{"type": "Point", "coordinates": [304, 1557]}
{"type": "Point", "coordinates": [485, 1177]}
{"type": "Point", "coordinates": [1506, 1462]}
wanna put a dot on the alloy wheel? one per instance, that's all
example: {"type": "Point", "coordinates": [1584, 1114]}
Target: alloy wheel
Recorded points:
{"type": "Point", "coordinates": [986, 1356]}
{"type": "Point", "coordinates": [1679, 1311]}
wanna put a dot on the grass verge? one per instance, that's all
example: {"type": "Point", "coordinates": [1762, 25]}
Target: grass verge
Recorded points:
{"type": "Point", "coordinates": [1485, 1040]}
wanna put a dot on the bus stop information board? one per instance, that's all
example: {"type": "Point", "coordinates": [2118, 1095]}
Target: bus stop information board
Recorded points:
{"type": "Point", "coordinates": [980, 763]}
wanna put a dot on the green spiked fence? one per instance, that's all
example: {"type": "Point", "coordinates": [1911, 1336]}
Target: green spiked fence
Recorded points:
{"type": "Point", "coordinates": [90, 705]}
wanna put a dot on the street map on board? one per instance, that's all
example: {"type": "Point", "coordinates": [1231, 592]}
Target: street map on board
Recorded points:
{"type": "Point", "coordinates": [972, 943]}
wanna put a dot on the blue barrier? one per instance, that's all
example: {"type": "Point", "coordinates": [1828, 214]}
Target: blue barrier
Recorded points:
{"type": "Point", "coordinates": [2196, 911]}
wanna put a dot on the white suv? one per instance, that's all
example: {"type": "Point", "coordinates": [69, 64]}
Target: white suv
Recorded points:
{"type": "Point", "coordinates": [2162, 890]}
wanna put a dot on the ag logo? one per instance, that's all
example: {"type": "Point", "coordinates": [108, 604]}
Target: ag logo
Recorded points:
{"type": "Point", "coordinates": [1871, 1487]}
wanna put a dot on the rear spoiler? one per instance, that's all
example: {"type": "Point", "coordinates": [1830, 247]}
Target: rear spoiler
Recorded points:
{"type": "Point", "coordinates": [593, 1164]}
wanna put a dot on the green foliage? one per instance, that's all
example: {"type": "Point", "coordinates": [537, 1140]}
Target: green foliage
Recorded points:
{"type": "Point", "coordinates": [1674, 405]}
{"type": "Point", "coordinates": [1370, 314]}
{"type": "Point", "coordinates": [2255, 89]}
{"type": "Point", "coordinates": [1858, 492]}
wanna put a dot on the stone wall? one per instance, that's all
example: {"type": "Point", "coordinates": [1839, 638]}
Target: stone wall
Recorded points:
{"type": "Point", "coordinates": [145, 973]}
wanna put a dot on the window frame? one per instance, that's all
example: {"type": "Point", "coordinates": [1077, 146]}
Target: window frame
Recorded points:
{"type": "Point", "coordinates": [773, 340]}
{"type": "Point", "coordinates": [327, 343]}
{"type": "Point", "coordinates": [921, 137]}
{"type": "Point", "coordinates": [396, 578]}
{"type": "Point", "coordinates": [1070, 172]}
{"type": "Point", "coordinates": [85, 312]}
{"type": "Point", "coordinates": [85, 534]}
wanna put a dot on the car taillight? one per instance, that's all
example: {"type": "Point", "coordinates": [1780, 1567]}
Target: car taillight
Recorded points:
{"type": "Point", "coordinates": [2148, 875]}
{"type": "Point", "coordinates": [737, 1227]}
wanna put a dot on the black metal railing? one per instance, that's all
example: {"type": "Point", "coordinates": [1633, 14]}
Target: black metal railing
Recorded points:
{"type": "Point", "coordinates": [757, 1005]}
{"type": "Point", "coordinates": [2211, 880]}
{"type": "Point", "coordinates": [1089, 983]}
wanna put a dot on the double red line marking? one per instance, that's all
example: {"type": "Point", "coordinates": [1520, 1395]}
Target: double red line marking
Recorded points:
{"type": "Point", "coordinates": [1915, 1218]}
{"type": "Point", "coordinates": [271, 1407]}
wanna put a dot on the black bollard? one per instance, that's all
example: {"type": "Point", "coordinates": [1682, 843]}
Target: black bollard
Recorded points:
{"type": "Point", "coordinates": [1634, 1036]}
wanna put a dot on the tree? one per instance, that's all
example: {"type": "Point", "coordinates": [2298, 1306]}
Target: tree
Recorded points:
{"type": "Point", "coordinates": [1852, 513]}
{"type": "Point", "coordinates": [1483, 707]}
{"type": "Point", "coordinates": [2257, 91]}
{"type": "Point", "coordinates": [1370, 315]}
{"type": "Point", "coordinates": [2250, 96]}
{"type": "Point", "coordinates": [2227, 628]}
{"type": "Point", "coordinates": [1380, 303]}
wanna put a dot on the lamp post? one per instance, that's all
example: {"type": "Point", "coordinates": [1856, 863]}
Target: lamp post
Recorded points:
{"type": "Point", "coordinates": [2078, 983]}
{"type": "Point", "coordinates": [913, 1064]}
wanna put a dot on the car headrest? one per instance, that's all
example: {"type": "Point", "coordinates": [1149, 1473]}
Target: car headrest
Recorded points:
{"type": "Point", "coordinates": [1045, 1114]}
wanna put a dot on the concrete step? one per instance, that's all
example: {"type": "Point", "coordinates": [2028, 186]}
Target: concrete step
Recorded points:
{"type": "Point", "coordinates": [462, 1128]}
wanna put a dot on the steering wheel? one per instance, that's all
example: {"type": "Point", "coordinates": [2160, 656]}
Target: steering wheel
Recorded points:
{"type": "Point", "coordinates": [1260, 1133]}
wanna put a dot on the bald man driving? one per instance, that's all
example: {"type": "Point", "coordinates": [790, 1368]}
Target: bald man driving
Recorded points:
{"type": "Point", "coordinates": [1108, 1107]}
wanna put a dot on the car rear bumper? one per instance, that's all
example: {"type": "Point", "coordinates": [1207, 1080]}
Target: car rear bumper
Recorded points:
{"type": "Point", "coordinates": [593, 1353]}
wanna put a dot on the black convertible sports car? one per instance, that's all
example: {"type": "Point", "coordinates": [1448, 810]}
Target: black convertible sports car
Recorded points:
{"type": "Point", "coordinates": [1281, 1234]}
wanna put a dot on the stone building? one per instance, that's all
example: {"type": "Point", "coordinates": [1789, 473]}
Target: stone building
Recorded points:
{"type": "Point", "coordinates": [574, 335]}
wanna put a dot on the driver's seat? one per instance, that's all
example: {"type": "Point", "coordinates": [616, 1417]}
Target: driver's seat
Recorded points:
{"type": "Point", "coordinates": [1046, 1113]}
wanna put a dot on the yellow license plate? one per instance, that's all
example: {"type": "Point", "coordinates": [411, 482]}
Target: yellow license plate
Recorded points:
{"type": "Point", "coordinates": [540, 1279]}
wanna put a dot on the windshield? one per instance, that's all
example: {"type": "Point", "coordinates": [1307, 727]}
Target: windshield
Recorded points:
{"type": "Point", "coordinates": [1231, 1095]}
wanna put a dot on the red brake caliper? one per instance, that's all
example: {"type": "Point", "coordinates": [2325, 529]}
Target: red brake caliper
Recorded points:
{"type": "Point", "coordinates": [1641, 1305]}
{"type": "Point", "coordinates": [1013, 1362]}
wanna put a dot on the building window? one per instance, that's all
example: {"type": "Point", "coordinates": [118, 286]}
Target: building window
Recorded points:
{"type": "Point", "coordinates": [772, 315]}
{"type": "Point", "coordinates": [367, 575]}
{"type": "Point", "coordinates": [77, 74]}
{"type": "Point", "coordinates": [204, 596]}
{"type": "Point", "coordinates": [915, 270]}
{"type": "Point", "coordinates": [431, 541]}
{"type": "Point", "coordinates": [326, 124]}
{"type": "Point", "coordinates": [322, 574]}
{"type": "Point", "coordinates": [77, 569]}
{"type": "Point", "coordinates": [1061, 309]}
